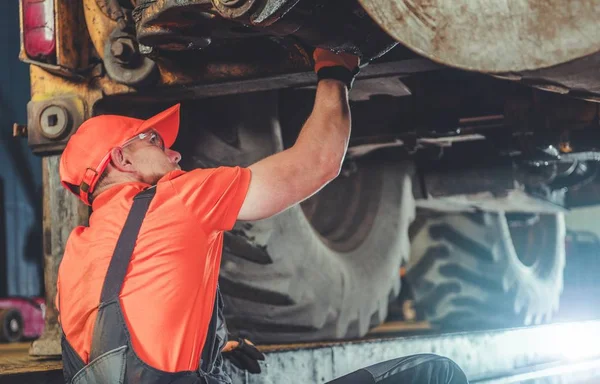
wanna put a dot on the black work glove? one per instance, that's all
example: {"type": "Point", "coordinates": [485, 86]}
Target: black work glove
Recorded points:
{"type": "Point", "coordinates": [338, 66]}
{"type": "Point", "coordinates": [243, 354]}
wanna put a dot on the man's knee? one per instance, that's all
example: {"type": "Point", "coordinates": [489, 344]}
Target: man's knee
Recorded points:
{"type": "Point", "coordinates": [422, 368]}
{"type": "Point", "coordinates": [447, 371]}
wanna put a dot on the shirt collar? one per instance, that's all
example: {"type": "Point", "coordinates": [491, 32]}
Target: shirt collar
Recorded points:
{"type": "Point", "coordinates": [126, 189]}
{"type": "Point", "coordinates": [129, 189]}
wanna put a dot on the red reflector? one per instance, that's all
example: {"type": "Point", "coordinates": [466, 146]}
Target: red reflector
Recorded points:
{"type": "Point", "coordinates": [38, 28]}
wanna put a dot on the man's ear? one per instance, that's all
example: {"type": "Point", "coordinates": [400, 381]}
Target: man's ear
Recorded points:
{"type": "Point", "coordinates": [120, 160]}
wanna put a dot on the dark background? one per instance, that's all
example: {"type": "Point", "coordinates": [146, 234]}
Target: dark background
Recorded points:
{"type": "Point", "coordinates": [20, 171]}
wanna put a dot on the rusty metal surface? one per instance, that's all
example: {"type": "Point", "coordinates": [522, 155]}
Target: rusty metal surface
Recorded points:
{"type": "Point", "coordinates": [450, 182]}
{"type": "Point", "coordinates": [72, 41]}
{"type": "Point", "coordinates": [45, 88]}
{"type": "Point", "coordinates": [492, 36]}
{"type": "Point", "coordinates": [62, 212]}
{"type": "Point", "coordinates": [77, 98]}
{"type": "Point", "coordinates": [339, 25]}
{"type": "Point", "coordinates": [254, 59]}
{"type": "Point", "coordinates": [111, 8]}
{"type": "Point", "coordinates": [124, 63]}
{"type": "Point", "coordinates": [99, 25]}
{"type": "Point", "coordinates": [577, 78]}
{"type": "Point", "coordinates": [170, 25]}
{"type": "Point", "coordinates": [235, 79]}
{"type": "Point", "coordinates": [53, 121]}
{"type": "Point", "coordinates": [273, 10]}
{"type": "Point", "coordinates": [233, 9]}
{"type": "Point", "coordinates": [286, 68]}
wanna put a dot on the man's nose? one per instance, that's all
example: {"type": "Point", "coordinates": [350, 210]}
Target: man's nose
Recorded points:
{"type": "Point", "coordinates": [174, 156]}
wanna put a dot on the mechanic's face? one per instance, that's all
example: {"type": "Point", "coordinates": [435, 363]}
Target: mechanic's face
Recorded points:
{"type": "Point", "coordinates": [150, 157]}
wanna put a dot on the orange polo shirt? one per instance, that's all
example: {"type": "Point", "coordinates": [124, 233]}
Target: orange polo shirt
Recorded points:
{"type": "Point", "coordinates": [170, 286]}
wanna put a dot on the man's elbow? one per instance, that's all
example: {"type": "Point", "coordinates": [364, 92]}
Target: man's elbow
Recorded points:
{"type": "Point", "coordinates": [330, 169]}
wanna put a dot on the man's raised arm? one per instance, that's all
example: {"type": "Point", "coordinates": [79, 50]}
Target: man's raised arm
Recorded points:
{"type": "Point", "coordinates": [289, 177]}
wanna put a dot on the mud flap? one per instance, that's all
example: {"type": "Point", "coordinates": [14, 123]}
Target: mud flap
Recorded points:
{"type": "Point", "coordinates": [106, 368]}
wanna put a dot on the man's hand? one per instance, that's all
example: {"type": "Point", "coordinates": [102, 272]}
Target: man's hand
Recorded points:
{"type": "Point", "coordinates": [293, 175]}
{"type": "Point", "coordinates": [336, 66]}
{"type": "Point", "coordinates": [243, 354]}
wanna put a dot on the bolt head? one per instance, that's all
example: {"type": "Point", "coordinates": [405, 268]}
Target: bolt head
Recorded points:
{"type": "Point", "coordinates": [123, 50]}
{"type": "Point", "coordinates": [117, 49]}
{"type": "Point", "coordinates": [54, 121]}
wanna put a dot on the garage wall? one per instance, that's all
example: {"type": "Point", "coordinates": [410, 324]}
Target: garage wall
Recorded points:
{"type": "Point", "coordinates": [20, 171]}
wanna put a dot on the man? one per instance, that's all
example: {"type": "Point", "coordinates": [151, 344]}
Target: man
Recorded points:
{"type": "Point", "coordinates": [138, 289]}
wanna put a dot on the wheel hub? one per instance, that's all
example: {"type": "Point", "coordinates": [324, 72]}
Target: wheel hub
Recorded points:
{"type": "Point", "coordinates": [531, 238]}
{"type": "Point", "coordinates": [14, 325]}
{"type": "Point", "coordinates": [343, 212]}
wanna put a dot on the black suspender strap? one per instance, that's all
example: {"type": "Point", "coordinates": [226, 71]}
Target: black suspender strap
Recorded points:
{"type": "Point", "coordinates": [124, 249]}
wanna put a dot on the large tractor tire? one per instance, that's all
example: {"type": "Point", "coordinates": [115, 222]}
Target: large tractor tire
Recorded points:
{"type": "Point", "coordinates": [323, 270]}
{"type": "Point", "coordinates": [486, 270]}
{"type": "Point", "coordinates": [321, 275]}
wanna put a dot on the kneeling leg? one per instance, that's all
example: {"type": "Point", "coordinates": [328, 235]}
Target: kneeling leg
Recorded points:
{"type": "Point", "coordinates": [414, 369]}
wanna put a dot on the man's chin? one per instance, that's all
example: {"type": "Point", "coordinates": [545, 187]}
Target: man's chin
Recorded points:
{"type": "Point", "coordinates": [160, 176]}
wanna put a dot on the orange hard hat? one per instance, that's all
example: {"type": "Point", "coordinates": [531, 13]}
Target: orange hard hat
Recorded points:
{"type": "Point", "coordinates": [88, 151]}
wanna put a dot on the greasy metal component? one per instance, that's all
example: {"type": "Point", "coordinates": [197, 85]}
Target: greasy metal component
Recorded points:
{"type": "Point", "coordinates": [54, 121]}
{"type": "Point", "coordinates": [561, 178]}
{"type": "Point", "coordinates": [491, 36]}
{"type": "Point", "coordinates": [111, 8]}
{"type": "Point", "coordinates": [587, 195]}
{"type": "Point", "coordinates": [174, 25]}
{"type": "Point", "coordinates": [123, 50]}
{"type": "Point", "coordinates": [51, 121]}
{"type": "Point", "coordinates": [339, 25]}
{"type": "Point", "coordinates": [445, 182]}
{"type": "Point", "coordinates": [231, 78]}
{"type": "Point", "coordinates": [77, 98]}
{"type": "Point", "coordinates": [219, 66]}
{"type": "Point", "coordinates": [62, 212]}
{"type": "Point", "coordinates": [272, 11]}
{"type": "Point", "coordinates": [124, 63]}
{"type": "Point", "coordinates": [262, 12]}
{"type": "Point", "coordinates": [578, 78]}
{"type": "Point", "coordinates": [232, 9]}
{"type": "Point", "coordinates": [72, 40]}
{"type": "Point", "coordinates": [390, 86]}
{"type": "Point", "coordinates": [99, 25]}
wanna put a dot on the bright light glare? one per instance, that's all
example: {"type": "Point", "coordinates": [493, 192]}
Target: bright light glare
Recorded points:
{"type": "Point", "coordinates": [575, 341]}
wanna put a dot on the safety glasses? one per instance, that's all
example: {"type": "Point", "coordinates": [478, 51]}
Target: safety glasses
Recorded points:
{"type": "Point", "coordinates": [150, 136]}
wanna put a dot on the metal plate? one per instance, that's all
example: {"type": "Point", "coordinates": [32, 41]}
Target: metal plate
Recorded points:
{"type": "Point", "coordinates": [492, 36]}
{"type": "Point", "coordinates": [482, 355]}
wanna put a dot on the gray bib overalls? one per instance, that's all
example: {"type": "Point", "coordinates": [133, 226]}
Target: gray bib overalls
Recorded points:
{"type": "Point", "coordinates": [112, 358]}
